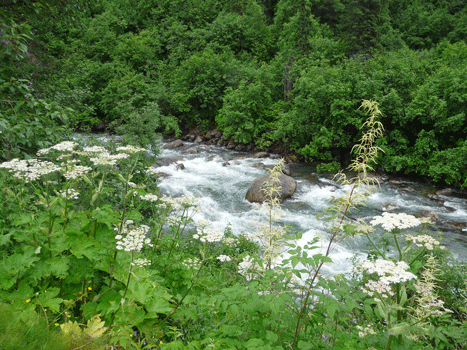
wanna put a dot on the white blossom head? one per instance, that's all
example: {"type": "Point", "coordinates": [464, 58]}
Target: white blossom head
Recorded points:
{"type": "Point", "coordinates": [133, 239]}
{"type": "Point", "coordinates": [223, 258]}
{"type": "Point", "coordinates": [388, 271]}
{"type": "Point", "coordinates": [391, 221]}
{"type": "Point", "coordinates": [29, 169]}
{"type": "Point", "coordinates": [140, 262]}
{"type": "Point", "coordinates": [130, 149]}
{"type": "Point", "coordinates": [423, 241]}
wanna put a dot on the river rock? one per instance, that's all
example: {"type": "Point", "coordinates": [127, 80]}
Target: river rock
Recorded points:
{"type": "Point", "coordinates": [285, 169]}
{"type": "Point", "coordinates": [164, 162]}
{"type": "Point", "coordinates": [198, 139]}
{"type": "Point", "coordinates": [258, 165]}
{"type": "Point", "coordinates": [389, 207]}
{"type": "Point", "coordinates": [173, 144]}
{"type": "Point", "coordinates": [461, 226]}
{"type": "Point", "coordinates": [191, 150]}
{"type": "Point", "coordinates": [226, 164]}
{"type": "Point", "coordinates": [434, 216]}
{"type": "Point", "coordinates": [255, 192]}
{"type": "Point", "coordinates": [180, 166]}
{"type": "Point", "coordinates": [445, 192]}
{"type": "Point", "coordinates": [261, 155]}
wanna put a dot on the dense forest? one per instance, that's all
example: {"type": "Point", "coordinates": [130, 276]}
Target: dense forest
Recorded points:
{"type": "Point", "coordinates": [94, 257]}
{"type": "Point", "coordinates": [262, 72]}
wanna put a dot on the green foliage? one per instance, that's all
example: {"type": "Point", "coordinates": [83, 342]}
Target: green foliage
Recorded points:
{"type": "Point", "coordinates": [248, 110]}
{"type": "Point", "coordinates": [31, 334]}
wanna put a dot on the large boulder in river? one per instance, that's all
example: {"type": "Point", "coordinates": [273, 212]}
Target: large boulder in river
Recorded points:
{"type": "Point", "coordinates": [255, 193]}
{"type": "Point", "coordinates": [173, 145]}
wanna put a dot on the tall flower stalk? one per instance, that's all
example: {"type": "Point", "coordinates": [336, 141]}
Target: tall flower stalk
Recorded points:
{"type": "Point", "coordinates": [365, 155]}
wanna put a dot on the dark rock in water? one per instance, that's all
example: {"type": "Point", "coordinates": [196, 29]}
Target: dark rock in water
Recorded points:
{"type": "Point", "coordinates": [434, 216]}
{"type": "Point", "coordinates": [231, 145]}
{"type": "Point", "coordinates": [285, 169]}
{"type": "Point", "coordinates": [445, 192]}
{"type": "Point", "coordinates": [180, 166]}
{"type": "Point", "coordinates": [198, 139]}
{"type": "Point", "coordinates": [261, 155]}
{"type": "Point", "coordinates": [173, 145]}
{"type": "Point", "coordinates": [191, 150]}
{"type": "Point", "coordinates": [461, 226]}
{"type": "Point", "coordinates": [255, 193]}
{"type": "Point", "coordinates": [258, 165]}
{"type": "Point", "coordinates": [389, 207]}
{"type": "Point", "coordinates": [226, 164]}
{"type": "Point", "coordinates": [162, 175]}
{"type": "Point", "coordinates": [164, 162]}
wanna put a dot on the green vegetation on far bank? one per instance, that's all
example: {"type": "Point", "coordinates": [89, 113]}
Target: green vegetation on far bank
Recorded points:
{"type": "Point", "coordinates": [262, 72]}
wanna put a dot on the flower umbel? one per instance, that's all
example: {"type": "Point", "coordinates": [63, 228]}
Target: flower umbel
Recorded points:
{"type": "Point", "coordinates": [390, 221]}
{"type": "Point", "coordinates": [388, 271]}
{"type": "Point", "coordinates": [134, 239]}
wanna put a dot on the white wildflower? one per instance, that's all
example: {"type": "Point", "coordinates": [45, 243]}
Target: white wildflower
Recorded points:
{"type": "Point", "coordinates": [29, 169]}
{"type": "Point", "coordinates": [209, 235]}
{"type": "Point", "coordinates": [130, 149]}
{"type": "Point", "coordinates": [364, 331]}
{"type": "Point", "coordinates": [223, 258]}
{"type": "Point", "coordinates": [388, 271]}
{"type": "Point", "coordinates": [423, 241]}
{"type": "Point", "coordinates": [390, 221]}
{"type": "Point", "coordinates": [149, 197]}
{"type": "Point", "coordinates": [379, 288]}
{"type": "Point", "coordinates": [72, 171]}
{"type": "Point", "coordinates": [230, 241]}
{"type": "Point", "coordinates": [194, 263]}
{"type": "Point", "coordinates": [108, 159]}
{"type": "Point", "coordinates": [134, 239]}
{"type": "Point", "coordinates": [69, 194]}
{"type": "Point", "coordinates": [140, 262]}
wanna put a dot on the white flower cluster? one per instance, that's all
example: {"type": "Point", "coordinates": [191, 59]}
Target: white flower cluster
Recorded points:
{"type": "Point", "coordinates": [140, 262]}
{"type": "Point", "coordinates": [364, 331]}
{"type": "Point", "coordinates": [69, 194]}
{"type": "Point", "coordinates": [29, 169]}
{"type": "Point", "coordinates": [194, 263]}
{"type": "Point", "coordinates": [248, 268]}
{"type": "Point", "coordinates": [65, 146]}
{"type": "Point", "coordinates": [149, 197]}
{"type": "Point", "coordinates": [91, 150]}
{"type": "Point", "coordinates": [223, 258]}
{"type": "Point", "coordinates": [379, 288]}
{"type": "Point", "coordinates": [130, 149]}
{"type": "Point", "coordinates": [230, 241]}
{"type": "Point", "coordinates": [390, 221]}
{"type": "Point", "coordinates": [207, 234]}
{"type": "Point", "coordinates": [180, 203]}
{"type": "Point", "coordinates": [423, 241]}
{"type": "Point", "coordinates": [73, 171]}
{"type": "Point", "coordinates": [173, 220]}
{"type": "Point", "coordinates": [105, 158]}
{"type": "Point", "coordinates": [133, 239]}
{"type": "Point", "coordinates": [388, 271]}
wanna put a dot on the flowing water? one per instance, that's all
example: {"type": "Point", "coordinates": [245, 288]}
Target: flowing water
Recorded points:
{"type": "Point", "coordinates": [220, 189]}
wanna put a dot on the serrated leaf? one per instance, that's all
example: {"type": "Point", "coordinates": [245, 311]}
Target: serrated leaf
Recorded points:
{"type": "Point", "coordinates": [95, 327]}
{"type": "Point", "coordinates": [71, 329]}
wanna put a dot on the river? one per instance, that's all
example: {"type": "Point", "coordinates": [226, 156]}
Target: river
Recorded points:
{"type": "Point", "coordinates": [220, 189]}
